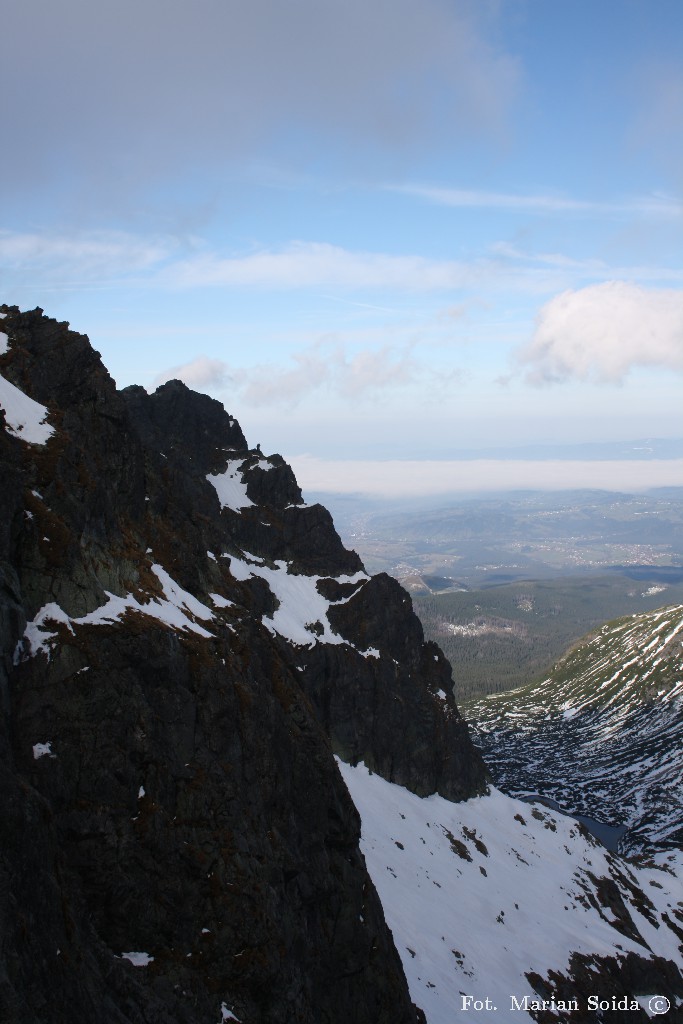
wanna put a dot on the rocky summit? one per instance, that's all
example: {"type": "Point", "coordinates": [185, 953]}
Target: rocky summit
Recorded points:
{"type": "Point", "coordinates": [185, 647]}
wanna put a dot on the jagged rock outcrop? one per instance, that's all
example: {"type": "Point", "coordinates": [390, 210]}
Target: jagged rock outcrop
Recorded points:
{"type": "Point", "coordinates": [184, 646]}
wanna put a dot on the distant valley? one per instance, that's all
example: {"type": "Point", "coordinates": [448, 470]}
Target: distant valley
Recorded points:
{"type": "Point", "coordinates": [603, 734]}
{"type": "Point", "coordinates": [501, 637]}
{"type": "Point", "coordinates": [486, 541]}
{"type": "Point", "coordinates": [506, 584]}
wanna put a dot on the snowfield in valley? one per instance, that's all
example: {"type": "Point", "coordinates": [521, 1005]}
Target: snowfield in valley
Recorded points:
{"type": "Point", "coordinates": [479, 894]}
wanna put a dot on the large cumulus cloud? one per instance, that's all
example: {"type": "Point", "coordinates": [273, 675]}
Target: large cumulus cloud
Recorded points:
{"type": "Point", "coordinates": [603, 331]}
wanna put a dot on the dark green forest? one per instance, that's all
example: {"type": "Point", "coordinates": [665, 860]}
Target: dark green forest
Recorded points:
{"type": "Point", "coordinates": [505, 636]}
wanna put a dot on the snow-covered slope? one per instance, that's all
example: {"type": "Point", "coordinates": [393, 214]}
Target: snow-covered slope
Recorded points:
{"type": "Point", "coordinates": [603, 734]}
{"type": "Point", "coordinates": [486, 898]}
{"type": "Point", "coordinates": [23, 417]}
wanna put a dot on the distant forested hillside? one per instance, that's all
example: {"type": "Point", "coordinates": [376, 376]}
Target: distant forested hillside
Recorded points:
{"type": "Point", "coordinates": [506, 636]}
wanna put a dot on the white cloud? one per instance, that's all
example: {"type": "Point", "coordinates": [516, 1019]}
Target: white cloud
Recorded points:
{"type": "Point", "coordinates": [372, 371]}
{"type": "Point", "coordinates": [201, 372]}
{"type": "Point", "coordinates": [603, 331]}
{"type": "Point", "coordinates": [322, 265]}
{"type": "Point", "coordinates": [70, 259]}
{"type": "Point", "coordinates": [654, 205]}
{"type": "Point", "coordinates": [318, 264]}
{"type": "Point", "coordinates": [105, 258]}
{"type": "Point", "coordinates": [95, 249]}
{"type": "Point", "coordinates": [325, 366]}
{"type": "Point", "coordinates": [405, 478]}
{"type": "Point", "coordinates": [100, 257]}
{"type": "Point", "coordinates": [584, 269]}
{"type": "Point", "coordinates": [276, 386]}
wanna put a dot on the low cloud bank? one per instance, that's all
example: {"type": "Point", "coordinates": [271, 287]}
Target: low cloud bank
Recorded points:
{"type": "Point", "coordinates": [398, 478]}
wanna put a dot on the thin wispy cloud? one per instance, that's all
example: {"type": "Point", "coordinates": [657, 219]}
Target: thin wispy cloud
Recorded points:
{"type": "Point", "coordinates": [82, 254]}
{"type": "Point", "coordinates": [201, 373]}
{"type": "Point", "coordinates": [363, 305]}
{"type": "Point", "coordinates": [302, 265]}
{"type": "Point", "coordinates": [77, 256]}
{"type": "Point", "coordinates": [92, 259]}
{"type": "Point", "coordinates": [659, 206]}
{"type": "Point", "coordinates": [325, 367]}
{"type": "Point", "coordinates": [316, 265]}
{"type": "Point", "coordinates": [587, 267]}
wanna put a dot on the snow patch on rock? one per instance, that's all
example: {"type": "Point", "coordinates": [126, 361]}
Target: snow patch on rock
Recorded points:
{"type": "Point", "coordinates": [301, 616]}
{"type": "Point", "coordinates": [24, 417]}
{"type": "Point", "coordinates": [230, 486]}
{"type": "Point", "coordinates": [42, 750]}
{"type": "Point", "coordinates": [174, 610]}
{"type": "Point", "coordinates": [138, 959]}
{"type": "Point", "coordinates": [227, 1014]}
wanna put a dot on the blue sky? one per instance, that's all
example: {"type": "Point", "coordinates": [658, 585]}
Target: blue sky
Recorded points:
{"type": "Point", "coordinates": [381, 233]}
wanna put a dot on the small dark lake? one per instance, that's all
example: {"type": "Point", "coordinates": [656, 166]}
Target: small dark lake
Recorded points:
{"type": "Point", "coordinates": [608, 835]}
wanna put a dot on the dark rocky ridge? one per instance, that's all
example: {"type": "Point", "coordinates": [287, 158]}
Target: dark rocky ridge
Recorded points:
{"type": "Point", "coordinates": [189, 805]}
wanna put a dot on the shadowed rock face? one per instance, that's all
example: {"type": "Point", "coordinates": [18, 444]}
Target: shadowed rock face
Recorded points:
{"type": "Point", "coordinates": [167, 778]}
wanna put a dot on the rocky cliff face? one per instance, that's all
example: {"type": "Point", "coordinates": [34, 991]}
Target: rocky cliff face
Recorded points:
{"type": "Point", "coordinates": [184, 647]}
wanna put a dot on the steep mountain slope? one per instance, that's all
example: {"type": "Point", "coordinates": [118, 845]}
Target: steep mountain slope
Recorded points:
{"type": "Point", "coordinates": [603, 734]}
{"type": "Point", "coordinates": [184, 645]}
{"type": "Point", "coordinates": [496, 900]}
